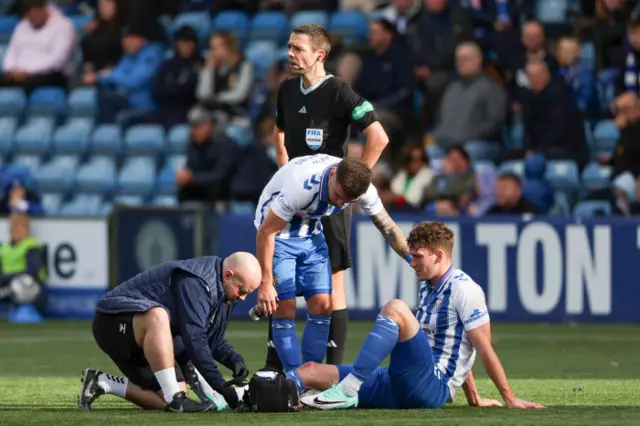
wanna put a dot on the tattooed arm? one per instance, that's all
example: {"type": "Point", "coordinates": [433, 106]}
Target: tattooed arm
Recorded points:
{"type": "Point", "coordinates": [391, 232]}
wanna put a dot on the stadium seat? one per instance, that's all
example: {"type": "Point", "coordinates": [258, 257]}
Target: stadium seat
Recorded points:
{"type": "Point", "coordinates": [239, 134]}
{"type": "Point", "coordinates": [105, 210]}
{"type": "Point", "coordinates": [166, 180]}
{"type": "Point", "coordinates": [516, 135]}
{"type": "Point", "coordinates": [58, 174]}
{"type": "Point", "coordinates": [51, 203]}
{"type": "Point", "coordinates": [435, 152]}
{"type": "Point", "coordinates": [165, 201]}
{"type": "Point", "coordinates": [145, 139]}
{"type": "Point", "coordinates": [482, 150]}
{"type": "Point", "coordinates": [310, 17]}
{"type": "Point", "coordinates": [30, 162]}
{"type": "Point", "coordinates": [233, 21]}
{"type": "Point", "coordinates": [177, 162]}
{"type": "Point", "coordinates": [199, 21]}
{"type": "Point", "coordinates": [552, 11]}
{"type": "Point", "coordinates": [137, 177]}
{"type": "Point", "coordinates": [269, 26]}
{"type": "Point", "coordinates": [12, 101]}
{"type": "Point", "coordinates": [8, 126]}
{"type": "Point", "coordinates": [351, 25]}
{"type": "Point", "coordinates": [47, 101]}
{"type": "Point", "coordinates": [243, 207]}
{"type": "Point", "coordinates": [83, 102]}
{"type": "Point", "coordinates": [563, 175]}
{"type": "Point", "coordinates": [595, 176]}
{"type": "Point", "coordinates": [588, 54]}
{"type": "Point", "coordinates": [606, 135]}
{"type": "Point", "coordinates": [7, 25]}
{"type": "Point", "coordinates": [262, 54]}
{"type": "Point", "coordinates": [83, 205]}
{"type": "Point", "coordinates": [97, 176]}
{"type": "Point", "coordinates": [512, 166]}
{"type": "Point", "coordinates": [73, 137]}
{"type": "Point", "coordinates": [35, 137]}
{"type": "Point", "coordinates": [79, 21]}
{"type": "Point", "coordinates": [178, 138]}
{"type": "Point", "coordinates": [592, 208]}
{"type": "Point", "coordinates": [107, 140]}
{"type": "Point", "coordinates": [128, 200]}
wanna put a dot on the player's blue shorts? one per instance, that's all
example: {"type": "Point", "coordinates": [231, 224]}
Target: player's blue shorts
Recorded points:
{"type": "Point", "coordinates": [410, 381]}
{"type": "Point", "coordinates": [301, 267]}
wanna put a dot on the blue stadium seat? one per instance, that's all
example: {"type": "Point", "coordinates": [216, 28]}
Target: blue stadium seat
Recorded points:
{"type": "Point", "coordinates": [145, 139]}
{"type": "Point", "coordinates": [310, 17]}
{"type": "Point", "coordinates": [165, 201]}
{"type": "Point", "coordinates": [47, 101]}
{"type": "Point", "coordinates": [239, 134]}
{"type": "Point", "coordinates": [97, 176]}
{"type": "Point", "coordinates": [512, 166]}
{"type": "Point", "coordinates": [79, 21]}
{"type": "Point", "coordinates": [51, 203]}
{"type": "Point", "coordinates": [272, 26]}
{"type": "Point", "coordinates": [8, 126]}
{"type": "Point", "coordinates": [233, 21]}
{"type": "Point", "coordinates": [351, 25]}
{"type": "Point", "coordinates": [592, 208]}
{"type": "Point", "coordinates": [178, 139]}
{"type": "Point", "coordinates": [12, 101]}
{"type": "Point", "coordinates": [243, 207]}
{"type": "Point", "coordinates": [552, 11]}
{"type": "Point", "coordinates": [83, 102]}
{"type": "Point", "coordinates": [606, 135]}
{"type": "Point", "coordinates": [137, 176]}
{"type": "Point", "coordinates": [435, 152]}
{"type": "Point", "coordinates": [588, 54]}
{"type": "Point", "coordinates": [30, 162]}
{"type": "Point", "coordinates": [57, 175]}
{"type": "Point", "coordinates": [595, 176]}
{"type": "Point", "coordinates": [107, 140]}
{"type": "Point", "coordinates": [516, 135]}
{"type": "Point", "coordinates": [35, 137]}
{"type": "Point", "coordinates": [7, 25]}
{"type": "Point", "coordinates": [83, 205]}
{"type": "Point", "coordinates": [176, 162]}
{"type": "Point", "coordinates": [128, 200]}
{"type": "Point", "coordinates": [73, 137]}
{"type": "Point", "coordinates": [482, 150]}
{"type": "Point", "coordinates": [262, 54]}
{"type": "Point", "coordinates": [563, 174]}
{"type": "Point", "coordinates": [199, 21]}
{"type": "Point", "coordinates": [166, 180]}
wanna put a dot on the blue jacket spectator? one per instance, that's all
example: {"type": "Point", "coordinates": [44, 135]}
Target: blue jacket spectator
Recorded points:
{"type": "Point", "coordinates": [535, 189]}
{"type": "Point", "coordinates": [18, 199]}
{"type": "Point", "coordinates": [578, 76]}
{"type": "Point", "coordinates": [175, 86]}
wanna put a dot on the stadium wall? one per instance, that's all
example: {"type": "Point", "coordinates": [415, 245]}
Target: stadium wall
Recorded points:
{"type": "Point", "coordinates": [545, 270]}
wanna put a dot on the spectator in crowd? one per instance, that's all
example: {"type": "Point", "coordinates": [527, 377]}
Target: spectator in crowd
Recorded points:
{"type": "Point", "coordinates": [403, 14]}
{"type": "Point", "coordinates": [349, 66]}
{"type": "Point", "coordinates": [125, 92]}
{"type": "Point", "coordinates": [102, 44]}
{"type": "Point", "coordinates": [224, 84]}
{"type": "Point", "coordinates": [486, 175]}
{"type": "Point", "coordinates": [629, 76]}
{"type": "Point", "coordinates": [41, 50]}
{"type": "Point", "coordinates": [533, 47]}
{"type": "Point", "coordinates": [474, 107]}
{"type": "Point", "coordinates": [386, 80]}
{"type": "Point", "coordinates": [535, 189]}
{"type": "Point", "coordinates": [553, 125]}
{"type": "Point", "coordinates": [365, 6]}
{"type": "Point", "coordinates": [175, 85]}
{"type": "Point", "coordinates": [211, 161]}
{"type": "Point", "coordinates": [262, 103]}
{"type": "Point", "coordinates": [578, 77]}
{"type": "Point", "coordinates": [19, 199]}
{"type": "Point", "coordinates": [509, 199]}
{"type": "Point", "coordinates": [452, 190]}
{"type": "Point", "coordinates": [441, 26]}
{"type": "Point", "coordinates": [626, 156]}
{"type": "Point", "coordinates": [22, 255]}
{"type": "Point", "coordinates": [413, 176]}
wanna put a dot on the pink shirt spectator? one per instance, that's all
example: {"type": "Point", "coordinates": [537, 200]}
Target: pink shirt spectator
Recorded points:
{"type": "Point", "coordinates": [48, 49]}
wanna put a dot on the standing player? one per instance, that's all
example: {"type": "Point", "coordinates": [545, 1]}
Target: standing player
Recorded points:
{"type": "Point", "coordinates": [292, 251]}
{"type": "Point", "coordinates": [432, 353]}
{"type": "Point", "coordinates": [318, 108]}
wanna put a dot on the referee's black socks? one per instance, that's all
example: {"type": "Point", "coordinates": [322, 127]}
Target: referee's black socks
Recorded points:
{"type": "Point", "coordinates": [337, 337]}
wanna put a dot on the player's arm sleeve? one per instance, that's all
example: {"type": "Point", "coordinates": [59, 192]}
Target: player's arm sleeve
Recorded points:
{"type": "Point", "coordinates": [359, 111]}
{"type": "Point", "coordinates": [280, 107]}
{"type": "Point", "coordinates": [226, 355]}
{"type": "Point", "coordinates": [370, 201]}
{"type": "Point", "coordinates": [193, 304]}
{"type": "Point", "coordinates": [471, 305]}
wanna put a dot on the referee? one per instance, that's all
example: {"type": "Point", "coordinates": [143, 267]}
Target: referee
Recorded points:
{"type": "Point", "coordinates": [314, 114]}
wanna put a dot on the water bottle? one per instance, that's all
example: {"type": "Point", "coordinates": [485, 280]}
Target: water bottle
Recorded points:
{"type": "Point", "coordinates": [256, 314]}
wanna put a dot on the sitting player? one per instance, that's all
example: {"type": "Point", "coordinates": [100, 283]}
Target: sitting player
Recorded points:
{"type": "Point", "coordinates": [432, 353]}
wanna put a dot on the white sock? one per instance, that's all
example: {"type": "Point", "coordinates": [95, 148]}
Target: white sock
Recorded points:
{"type": "Point", "coordinates": [350, 384]}
{"type": "Point", "coordinates": [113, 385]}
{"type": "Point", "coordinates": [168, 383]}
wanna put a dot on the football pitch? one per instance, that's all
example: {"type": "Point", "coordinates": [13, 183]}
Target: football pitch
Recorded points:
{"type": "Point", "coordinates": [582, 374]}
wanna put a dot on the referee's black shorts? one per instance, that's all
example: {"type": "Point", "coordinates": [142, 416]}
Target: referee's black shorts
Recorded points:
{"type": "Point", "coordinates": [337, 233]}
{"type": "Point", "coordinates": [114, 335]}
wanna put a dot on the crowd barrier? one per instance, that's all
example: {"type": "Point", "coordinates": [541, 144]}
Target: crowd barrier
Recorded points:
{"type": "Point", "coordinates": [551, 269]}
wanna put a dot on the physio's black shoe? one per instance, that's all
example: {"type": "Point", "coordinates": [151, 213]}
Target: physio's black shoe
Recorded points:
{"type": "Point", "coordinates": [90, 390]}
{"type": "Point", "coordinates": [182, 404]}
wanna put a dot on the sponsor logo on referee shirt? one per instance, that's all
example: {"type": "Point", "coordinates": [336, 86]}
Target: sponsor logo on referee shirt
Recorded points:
{"type": "Point", "coordinates": [360, 111]}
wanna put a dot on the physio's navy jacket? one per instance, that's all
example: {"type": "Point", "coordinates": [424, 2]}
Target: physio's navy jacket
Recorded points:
{"type": "Point", "coordinates": [191, 292]}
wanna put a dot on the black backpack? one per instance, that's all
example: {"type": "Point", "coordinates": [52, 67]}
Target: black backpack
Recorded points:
{"type": "Point", "coordinates": [270, 392]}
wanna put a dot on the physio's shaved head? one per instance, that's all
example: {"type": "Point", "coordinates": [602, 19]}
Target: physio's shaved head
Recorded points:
{"type": "Point", "coordinates": [244, 263]}
{"type": "Point", "coordinates": [242, 275]}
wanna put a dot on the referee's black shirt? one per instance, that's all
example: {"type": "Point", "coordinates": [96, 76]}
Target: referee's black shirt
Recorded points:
{"type": "Point", "coordinates": [318, 119]}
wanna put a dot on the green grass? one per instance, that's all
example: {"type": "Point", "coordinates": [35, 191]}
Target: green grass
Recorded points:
{"type": "Point", "coordinates": [583, 374]}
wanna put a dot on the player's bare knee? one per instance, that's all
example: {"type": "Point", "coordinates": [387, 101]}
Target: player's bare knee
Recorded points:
{"type": "Point", "coordinates": [309, 374]}
{"type": "Point", "coordinates": [286, 309]}
{"type": "Point", "coordinates": [320, 304]}
{"type": "Point", "coordinates": [154, 319]}
{"type": "Point", "coordinates": [397, 310]}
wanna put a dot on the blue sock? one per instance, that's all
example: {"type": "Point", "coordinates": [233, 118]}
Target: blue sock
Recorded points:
{"type": "Point", "coordinates": [294, 376]}
{"type": "Point", "coordinates": [315, 338]}
{"type": "Point", "coordinates": [286, 343]}
{"type": "Point", "coordinates": [378, 344]}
